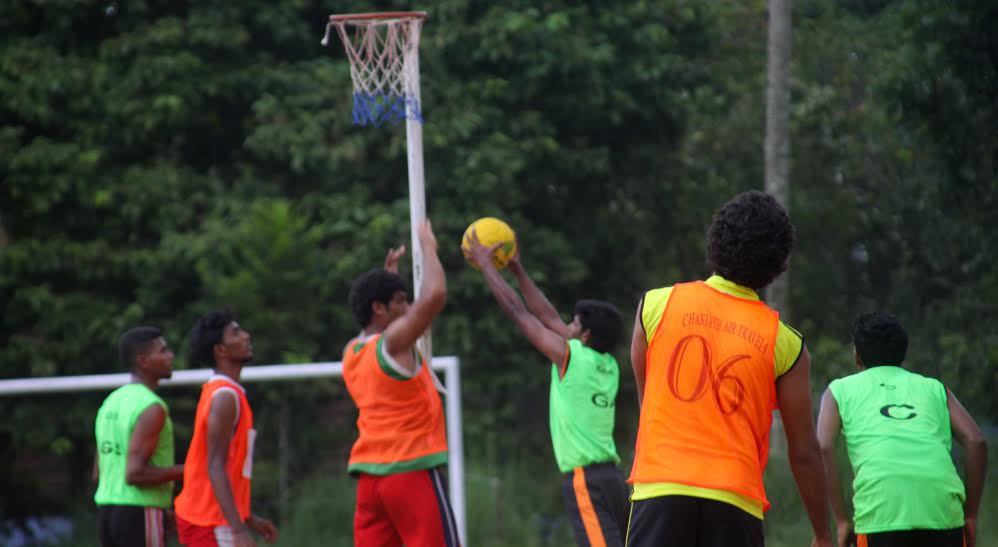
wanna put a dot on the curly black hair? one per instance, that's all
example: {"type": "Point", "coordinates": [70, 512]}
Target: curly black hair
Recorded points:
{"type": "Point", "coordinates": [208, 331]}
{"type": "Point", "coordinates": [750, 240]}
{"type": "Point", "coordinates": [377, 285]}
{"type": "Point", "coordinates": [135, 342]}
{"type": "Point", "coordinates": [880, 339]}
{"type": "Point", "coordinates": [603, 321]}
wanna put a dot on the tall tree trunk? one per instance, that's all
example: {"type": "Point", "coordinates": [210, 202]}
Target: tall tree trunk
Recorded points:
{"type": "Point", "coordinates": [777, 131]}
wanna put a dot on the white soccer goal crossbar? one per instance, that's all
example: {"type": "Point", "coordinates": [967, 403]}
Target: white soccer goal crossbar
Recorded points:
{"type": "Point", "coordinates": [273, 373]}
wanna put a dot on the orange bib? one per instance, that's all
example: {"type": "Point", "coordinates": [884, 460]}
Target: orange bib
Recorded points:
{"type": "Point", "coordinates": [196, 503]}
{"type": "Point", "coordinates": [710, 391]}
{"type": "Point", "coordinates": [401, 422]}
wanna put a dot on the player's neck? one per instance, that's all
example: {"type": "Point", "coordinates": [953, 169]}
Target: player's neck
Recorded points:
{"type": "Point", "coordinates": [230, 369]}
{"type": "Point", "coordinates": [374, 327]}
{"type": "Point", "coordinates": [148, 381]}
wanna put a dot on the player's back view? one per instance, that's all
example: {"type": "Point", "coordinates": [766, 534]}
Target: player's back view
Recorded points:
{"type": "Point", "coordinates": [899, 428]}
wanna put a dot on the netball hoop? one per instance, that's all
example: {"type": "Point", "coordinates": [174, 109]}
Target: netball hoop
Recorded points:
{"type": "Point", "coordinates": [383, 50]}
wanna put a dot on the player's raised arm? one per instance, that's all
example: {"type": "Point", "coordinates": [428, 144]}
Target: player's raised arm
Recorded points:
{"type": "Point", "coordinates": [537, 303]}
{"type": "Point", "coordinates": [553, 345]}
{"type": "Point", "coordinates": [401, 334]}
{"type": "Point", "coordinates": [392, 259]}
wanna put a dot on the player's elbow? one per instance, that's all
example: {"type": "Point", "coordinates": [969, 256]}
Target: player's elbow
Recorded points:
{"type": "Point", "coordinates": [975, 442]}
{"type": "Point", "coordinates": [827, 448]}
{"type": "Point", "coordinates": [132, 476]}
{"type": "Point", "coordinates": [806, 454]}
{"type": "Point", "coordinates": [439, 294]}
{"type": "Point", "coordinates": [216, 471]}
{"type": "Point", "coordinates": [436, 296]}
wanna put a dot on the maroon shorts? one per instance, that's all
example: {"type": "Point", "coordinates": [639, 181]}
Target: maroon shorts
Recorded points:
{"type": "Point", "coordinates": [404, 508]}
{"type": "Point", "coordinates": [192, 535]}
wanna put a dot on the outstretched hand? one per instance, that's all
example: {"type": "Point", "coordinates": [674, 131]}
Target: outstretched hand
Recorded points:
{"type": "Point", "coordinates": [392, 259]}
{"type": "Point", "coordinates": [478, 254]}
{"type": "Point", "coordinates": [514, 261]}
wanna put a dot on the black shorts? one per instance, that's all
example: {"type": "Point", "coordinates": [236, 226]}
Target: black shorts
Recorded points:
{"type": "Point", "coordinates": [693, 522]}
{"type": "Point", "coordinates": [596, 500]}
{"type": "Point", "coordinates": [912, 538]}
{"type": "Point", "coordinates": [130, 526]}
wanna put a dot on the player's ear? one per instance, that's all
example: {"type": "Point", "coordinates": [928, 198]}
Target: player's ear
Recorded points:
{"type": "Point", "coordinates": [585, 336]}
{"type": "Point", "coordinates": [378, 308]}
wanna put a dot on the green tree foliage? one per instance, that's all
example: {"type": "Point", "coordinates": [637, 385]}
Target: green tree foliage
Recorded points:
{"type": "Point", "coordinates": [166, 158]}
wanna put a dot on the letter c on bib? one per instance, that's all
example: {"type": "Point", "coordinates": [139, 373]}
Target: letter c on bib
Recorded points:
{"type": "Point", "coordinates": [896, 415]}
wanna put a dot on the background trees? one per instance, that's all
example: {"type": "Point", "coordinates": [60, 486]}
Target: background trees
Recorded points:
{"type": "Point", "coordinates": [164, 158]}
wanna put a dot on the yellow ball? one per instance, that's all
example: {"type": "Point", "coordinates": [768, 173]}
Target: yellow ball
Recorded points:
{"type": "Point", "coordinates": [491, 231]}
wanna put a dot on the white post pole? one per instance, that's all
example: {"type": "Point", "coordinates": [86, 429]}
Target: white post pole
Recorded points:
{"type": "Point", "coordinates": [455, 446]}
{"type": "Point", "coordinates": [414, 149]}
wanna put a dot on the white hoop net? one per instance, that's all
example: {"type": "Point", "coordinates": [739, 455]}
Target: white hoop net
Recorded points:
{"type": "Point", "coordinates": [384, 66]}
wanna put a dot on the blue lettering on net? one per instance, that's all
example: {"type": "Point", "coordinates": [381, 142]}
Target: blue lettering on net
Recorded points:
{"type": "Point", "coordinates": [377, 109]}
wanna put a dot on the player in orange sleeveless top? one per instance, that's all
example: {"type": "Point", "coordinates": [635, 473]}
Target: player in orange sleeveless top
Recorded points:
{"type": "Point", "coordinates": [711, 363]}
{"type": "Point", "coordinates": [213, 509]}
{"type": "Point", "coordinates": [402, 442]}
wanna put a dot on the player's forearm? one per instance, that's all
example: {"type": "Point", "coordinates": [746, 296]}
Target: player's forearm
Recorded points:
{"type": "Point", "coordinates": [223, 495]}
{"type": "Point", "coordinates": [809, 472]}
{"type": "Point", "coordinates": [434, 284]}
{"type": "Point", "coordinates": [976, 470]}
{"type": "Point", "coordinates": [507, 298]}
{"type": "Point", "coordinates": [148, 475]}
{"type": "Point", "coordinates": [537, 303]}
{"type": "Point", "coordinates": [834, 488]}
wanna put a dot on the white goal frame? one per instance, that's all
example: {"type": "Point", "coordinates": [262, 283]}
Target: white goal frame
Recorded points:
{"type": "Point", "coordinates": [263, 373]}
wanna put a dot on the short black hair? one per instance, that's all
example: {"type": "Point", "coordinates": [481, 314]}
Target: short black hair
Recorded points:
{"type": "Point", "coordinates": [880, 339]}
{"type": "Point", "coordinates": [377, 285]}
{"type": "Point", "coordinates": [208, 332]}
{"type": "Point", "coordinates": [135, 342]}
{"type": "Point", "coordinates": [603, 321]}
{"type": "Point", "coordinates": [750, 240]}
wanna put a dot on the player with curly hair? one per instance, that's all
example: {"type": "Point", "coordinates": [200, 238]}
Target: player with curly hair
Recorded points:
{"type": "Point", "coordinates": [213, 509]}
{"type": "Point", "coordinates": [711, 362]}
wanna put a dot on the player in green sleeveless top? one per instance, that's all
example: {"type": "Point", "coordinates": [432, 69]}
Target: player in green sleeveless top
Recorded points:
{"type": "Point", "coordinates": [899, 428]}
{"type": "Point", "coordinates": [584, 381]}
{"type": "Point", "coordinates": [134, 466]}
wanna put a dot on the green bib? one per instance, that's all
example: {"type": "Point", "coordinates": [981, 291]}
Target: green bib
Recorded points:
{"type": "Point", "coordinates": [113, 428]}
{"type": "Point", "coordinates": [582, 408]}
{"type": "Point", "coordinates": [897, 430]}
